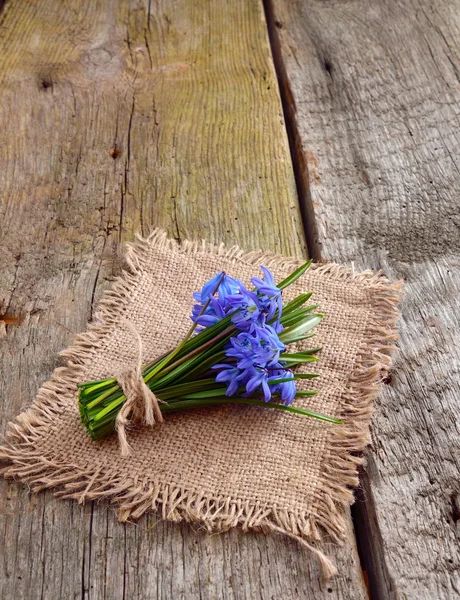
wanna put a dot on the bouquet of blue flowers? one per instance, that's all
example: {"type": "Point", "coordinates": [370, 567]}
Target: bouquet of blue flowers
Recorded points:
{"type": "Point", "coordinates": [235, 352]}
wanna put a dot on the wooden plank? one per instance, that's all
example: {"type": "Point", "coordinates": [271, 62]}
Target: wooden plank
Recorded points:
{"type": "Point", "coordinates": [118, 116]}
{"type": "Point", "coordinates": [372, 91]}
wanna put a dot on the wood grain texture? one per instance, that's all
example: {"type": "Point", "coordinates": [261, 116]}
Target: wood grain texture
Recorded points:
{"type": "Point", "coordinates": [372, 88]}
{"type": "Point", "coordinates": [118, 117]}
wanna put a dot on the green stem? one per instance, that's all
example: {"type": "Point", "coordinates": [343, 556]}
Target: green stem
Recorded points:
{"type": "Point", "coordinates": [189, 404]}
{"type": "Point", "coordinates": [193, 353]}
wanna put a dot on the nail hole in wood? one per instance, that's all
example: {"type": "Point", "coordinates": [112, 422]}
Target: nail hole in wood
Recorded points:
{"type": "Point", "coordinates": [46, 82]}
{"type": "Point", "coordinates": [328, 66]}
{"type": "Point", "coordinates": [388, 379]}
{"type": "Point", "coordinates": [115, 151]}
{"type": "Point", "coordinates": [455, 504]}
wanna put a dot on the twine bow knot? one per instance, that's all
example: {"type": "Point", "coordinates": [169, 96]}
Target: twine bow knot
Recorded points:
{"type": "Point", "coordinates": [141, 404]}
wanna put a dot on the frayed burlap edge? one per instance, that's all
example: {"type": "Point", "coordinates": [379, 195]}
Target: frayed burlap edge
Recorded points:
{"type": "Point", "coordinates": [135, 497]}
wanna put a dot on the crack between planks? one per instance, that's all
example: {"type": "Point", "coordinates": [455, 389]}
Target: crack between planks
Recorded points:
{"type": "Point", "coordinates": [367, 533]}
{"type": "Point", "coordinates": [43, 554]}
{"type": "Point", "coordinates": [124, 562]}
{"type": "Point", "coordinates": [90, 550]}
{"type": "Point", "coordinates": [125, 183]}
{"type": "Point", "coordinates": [298, 159]}
{"type": "Point", "coordinates": [370, 542]}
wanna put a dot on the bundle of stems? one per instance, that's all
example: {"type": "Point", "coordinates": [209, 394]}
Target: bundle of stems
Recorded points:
{"type": "Point", "coordinates": [184, 377]}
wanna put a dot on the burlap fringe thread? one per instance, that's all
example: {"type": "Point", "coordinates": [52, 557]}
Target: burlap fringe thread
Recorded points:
{"type": "Point", "coordinates": [135, 497]}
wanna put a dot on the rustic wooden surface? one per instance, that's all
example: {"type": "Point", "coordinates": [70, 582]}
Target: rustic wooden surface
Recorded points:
{"type": "Point", "coordinates": [372, 90]}
{"type": "Point", "coordinates": [115, 117]}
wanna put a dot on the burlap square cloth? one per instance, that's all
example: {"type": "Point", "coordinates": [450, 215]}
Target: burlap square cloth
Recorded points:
{"type": "Point", "coordinates": [221, 467]}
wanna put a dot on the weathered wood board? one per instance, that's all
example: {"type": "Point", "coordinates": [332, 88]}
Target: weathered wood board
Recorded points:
{"type": "Point", "coordinates": [373, 93]}
{"type": "Point", "coordinates": [116, 117]}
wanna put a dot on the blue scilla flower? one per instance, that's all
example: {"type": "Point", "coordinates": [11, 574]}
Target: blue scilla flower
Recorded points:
{"type": "Point", "coordinates": [259, 347]}
{"type": "Point", "coordinates": [246, 348]}
{"type": "Point", "coordinates": [271, 343]}
{"type": "Point", "coordinates": [209, 287]}
{"type": "Point", "coordinates": [246, 307]}
{"type": "Point", "coordinates": [228, 287]}
{"type": "Point", "coordinates": [232, 376]}
{"type": "Point", "coordinates": [287, 389]}
{"type": "Point", "coordinates": [218, 305]}
{"type": "Point", "coordinates": [269, 296]}
{"type": "Point", "coordinates": [241, 348]}
{"type": "Point", "coordinates": [259, 381]}
{"type": "Point", "coordinates": [213, 313]}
